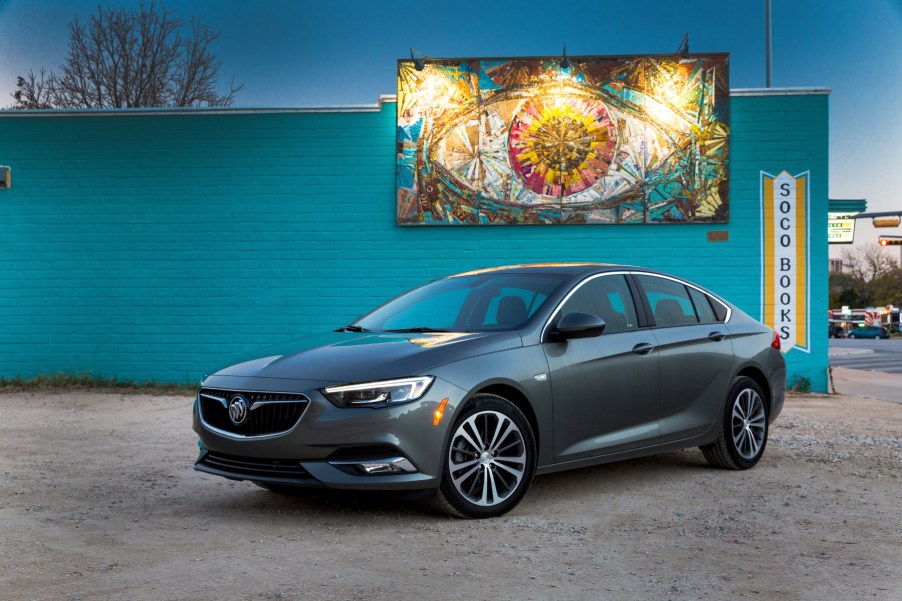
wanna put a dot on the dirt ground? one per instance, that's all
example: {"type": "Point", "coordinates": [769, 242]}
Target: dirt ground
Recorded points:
{"type": "Point", "coordinates": [98, 500]}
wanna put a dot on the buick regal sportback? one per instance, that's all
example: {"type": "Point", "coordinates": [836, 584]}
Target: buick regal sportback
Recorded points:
{"type": "Point", "coordinates": [468, 386]}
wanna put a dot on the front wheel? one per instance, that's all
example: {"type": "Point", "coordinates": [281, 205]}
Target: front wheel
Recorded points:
{"type": "Point", "coordinates": [853, 336]}
{"type": "Point", "coordinates": [489, 461]}
{"type": "Point", "coordinates": [743, 428]}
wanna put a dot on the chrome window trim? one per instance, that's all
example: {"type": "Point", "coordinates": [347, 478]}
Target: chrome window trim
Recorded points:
{"type": "Point", "coordinates": [628, 272]}
{"type": "Point", "coordinates": [207, 426]}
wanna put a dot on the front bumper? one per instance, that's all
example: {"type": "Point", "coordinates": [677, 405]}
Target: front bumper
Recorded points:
{"type": "Point", "coordinates": [389, 448]}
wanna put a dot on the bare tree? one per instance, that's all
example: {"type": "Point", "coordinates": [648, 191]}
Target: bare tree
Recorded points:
{"type": "Point", "coordinates": [869, 278]}
{"type": "Point", "coordinates": [868, 262]}
{"type": "Point", "coordinates": [33, 91]}
{"type": "Point", "coordinates": [129, 58]}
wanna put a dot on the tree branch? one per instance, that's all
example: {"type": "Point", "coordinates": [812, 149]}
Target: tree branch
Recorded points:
{"type": "Point", "coordinates": [131, 58]}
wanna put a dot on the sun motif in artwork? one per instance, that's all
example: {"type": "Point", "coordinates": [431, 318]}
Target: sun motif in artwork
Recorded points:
{"type": "Point", "coordinates": [561, 146]}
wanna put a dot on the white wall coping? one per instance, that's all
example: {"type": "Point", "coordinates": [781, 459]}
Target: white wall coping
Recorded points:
{"type": "Point", "coordinates": [779, 91]}
{"type": "Point", "coordinates": [348, 108]}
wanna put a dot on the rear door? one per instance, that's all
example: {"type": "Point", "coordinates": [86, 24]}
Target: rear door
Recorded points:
{"type": "Point", "coordinates": [696, 355]}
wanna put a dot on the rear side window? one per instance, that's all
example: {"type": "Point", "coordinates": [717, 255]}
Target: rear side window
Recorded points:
{"type": "Point", "coordinates": [669, 301]}
{"type": "Point", "coordinates": [720, 310]}
{"type": "Point", "coordinates": [702, 306]}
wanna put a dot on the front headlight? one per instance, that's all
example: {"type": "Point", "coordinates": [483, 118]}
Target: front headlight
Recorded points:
{"type": "Point", "coordinates": [378, 393]}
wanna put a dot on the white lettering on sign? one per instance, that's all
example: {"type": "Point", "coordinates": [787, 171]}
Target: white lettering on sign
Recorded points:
{"type": "Point", "coordinates": [784, 269]}
{"type": "Point", "coordinates": [785, 274]}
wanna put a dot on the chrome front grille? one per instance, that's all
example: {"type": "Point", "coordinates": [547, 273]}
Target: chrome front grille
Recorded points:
{"type": "Point", "coordinates": [268, 413]}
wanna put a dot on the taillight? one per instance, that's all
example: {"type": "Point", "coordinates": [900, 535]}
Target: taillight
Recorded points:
{"type": "Point", "coordinates": [776, 342]}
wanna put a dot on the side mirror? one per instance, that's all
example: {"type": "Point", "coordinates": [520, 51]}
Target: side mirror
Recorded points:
{"type": "Point", "coordinates": [578, 325]}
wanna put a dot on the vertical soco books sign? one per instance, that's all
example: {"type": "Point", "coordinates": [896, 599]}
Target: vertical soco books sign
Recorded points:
{"type": "Point", "coordinates": [784, 272]}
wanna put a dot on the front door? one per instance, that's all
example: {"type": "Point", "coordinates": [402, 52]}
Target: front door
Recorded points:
{"type": "Point", "coordinates": [605, 389]}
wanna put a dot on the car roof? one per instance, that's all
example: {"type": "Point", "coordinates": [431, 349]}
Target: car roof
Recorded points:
{"type": "Point", "coordinates": [551, 268]}
{"type": "Point", "coordinates": [576, 270]}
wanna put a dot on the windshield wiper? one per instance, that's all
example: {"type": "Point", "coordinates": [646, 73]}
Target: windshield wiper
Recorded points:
{"type": "Point", "coordinates": [420, 329]}
{"type": "Point", "coordinates": [352, 329]}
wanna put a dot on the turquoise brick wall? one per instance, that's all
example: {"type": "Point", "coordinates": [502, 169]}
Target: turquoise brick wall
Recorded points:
{"type": "Point", "coordinates": [162, 245]}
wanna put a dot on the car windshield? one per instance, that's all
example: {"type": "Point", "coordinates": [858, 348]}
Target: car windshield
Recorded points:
{"type": "Point", "coordinates": [475, 303]}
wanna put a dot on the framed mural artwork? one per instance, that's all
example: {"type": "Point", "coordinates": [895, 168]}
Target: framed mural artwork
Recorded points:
{"type": "Point", "coordinates": [606, 140]}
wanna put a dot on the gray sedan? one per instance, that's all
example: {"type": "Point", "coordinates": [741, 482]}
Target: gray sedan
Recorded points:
{"type": "Point", "coordinates": [465, 388]}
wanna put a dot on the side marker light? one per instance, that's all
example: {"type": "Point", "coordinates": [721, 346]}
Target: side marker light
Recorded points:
{"type": "Point", "coordinates": [439, 413]}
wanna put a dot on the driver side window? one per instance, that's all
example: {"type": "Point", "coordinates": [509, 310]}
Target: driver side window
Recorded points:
{"type": "Point", "coordinates": [609, 298]}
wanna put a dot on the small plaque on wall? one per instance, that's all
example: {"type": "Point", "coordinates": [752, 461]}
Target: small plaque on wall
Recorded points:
{"type": "Point", "coordinates": [719, 236]}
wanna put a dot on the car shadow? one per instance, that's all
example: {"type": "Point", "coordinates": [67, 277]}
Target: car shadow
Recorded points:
{"type": "Point", "coordinates": [243, 500]}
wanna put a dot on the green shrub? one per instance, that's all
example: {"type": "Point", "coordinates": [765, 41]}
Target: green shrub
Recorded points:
{"type": "Point", "coordinates": [800, 384]}
{"type": "Point", "coordinates": [89, 381]}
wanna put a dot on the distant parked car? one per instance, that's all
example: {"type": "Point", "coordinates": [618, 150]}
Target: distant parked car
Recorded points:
{"type": "Point", "coordinates": [836, 332]}
{"type": "Point", "coordinates": [869, 332]}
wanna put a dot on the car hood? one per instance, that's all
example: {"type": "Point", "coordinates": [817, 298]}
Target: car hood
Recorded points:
{"type": "Point", "coordinates": [344, 357]}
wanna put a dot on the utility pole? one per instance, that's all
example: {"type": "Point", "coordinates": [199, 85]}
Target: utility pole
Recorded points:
{"type": "Point", "coordinates": [767, 40]}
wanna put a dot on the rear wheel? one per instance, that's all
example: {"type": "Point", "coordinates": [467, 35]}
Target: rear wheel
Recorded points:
{"type": "Point", "coordinates": [489, 461]}
{"type": "Point", "coordinates": [743, 428]}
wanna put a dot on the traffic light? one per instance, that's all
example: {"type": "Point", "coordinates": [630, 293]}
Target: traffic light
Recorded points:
{"type": "Point", "coordinates": [887, 221]}
{"type": "Point", "coordinates": [890, 241]}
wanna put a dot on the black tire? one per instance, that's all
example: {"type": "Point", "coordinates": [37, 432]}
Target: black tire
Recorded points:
{"type": "Point", "coordinates": [743, 428]}
{"type": "Point", "coordinates": [489, 481]}
{"type": "Point", "coordinates": [853, 336]}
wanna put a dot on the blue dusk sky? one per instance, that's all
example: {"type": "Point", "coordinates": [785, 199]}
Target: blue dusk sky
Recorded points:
{"type": "Point", "coordinates": [297, 53]}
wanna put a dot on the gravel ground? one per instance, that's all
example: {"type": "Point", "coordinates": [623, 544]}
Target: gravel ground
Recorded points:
{"type": "Point", "coordinates": [98, 500]}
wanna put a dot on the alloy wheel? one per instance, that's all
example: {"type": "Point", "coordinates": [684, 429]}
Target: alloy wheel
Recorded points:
{"type": "Point", "coordinates": [749, 423]}
{"type": "Point", "coordinates": [487, 458]}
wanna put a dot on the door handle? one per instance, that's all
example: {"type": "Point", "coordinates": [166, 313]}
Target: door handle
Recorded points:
{"type": "Point", "coordinates": [716, 336]}
{"type": "Point", "coordinates": [643, 348]}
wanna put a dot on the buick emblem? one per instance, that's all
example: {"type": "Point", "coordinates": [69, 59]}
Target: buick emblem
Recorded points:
{"type": "Point", "coordinates": [238, 409]}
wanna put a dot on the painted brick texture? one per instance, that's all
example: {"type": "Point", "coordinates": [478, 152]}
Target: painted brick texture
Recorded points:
{"type": "Point", "coordinates": [162, 246]}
